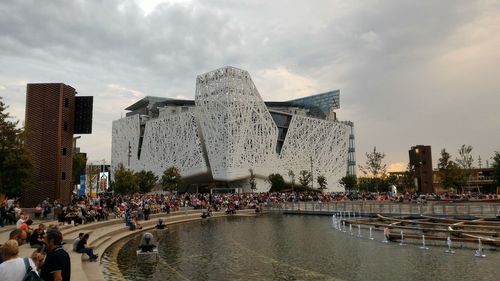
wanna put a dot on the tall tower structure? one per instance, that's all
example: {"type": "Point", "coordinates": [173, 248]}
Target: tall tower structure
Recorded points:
{"type": "Point", "coordinates": [421, 159]}
{"type": "Point", "coordinates": [53, 115]}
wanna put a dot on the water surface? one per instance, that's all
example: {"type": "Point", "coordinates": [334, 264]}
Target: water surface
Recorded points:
{"type": "Point", "coordinates": [291, 247]}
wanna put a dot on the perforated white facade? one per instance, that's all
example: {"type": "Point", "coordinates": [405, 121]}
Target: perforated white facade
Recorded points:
{"type": "Point", "coordinates": [224, 133]}
{"type": "Point", "coordinates": [322, 143]}
{"type": "Point", "coordinates": [237, 128]}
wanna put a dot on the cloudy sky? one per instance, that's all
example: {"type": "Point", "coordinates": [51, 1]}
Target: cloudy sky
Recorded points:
{"type": "Point", "coordinates": [409, 72]}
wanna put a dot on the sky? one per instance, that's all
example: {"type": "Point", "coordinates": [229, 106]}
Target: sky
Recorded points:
{"type": "Point", "coordinates": [409, 72]}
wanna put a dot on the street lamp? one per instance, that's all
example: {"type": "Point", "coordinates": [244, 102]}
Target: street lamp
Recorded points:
{"type": "Point", "coordinates": [312, 176]}
{"type": "Point", "coordinates": [292, 176]}
{"type": "Point", "coordinates": [129, 153]}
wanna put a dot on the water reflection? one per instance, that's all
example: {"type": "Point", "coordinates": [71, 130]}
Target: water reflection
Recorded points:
{"type": "Point", "coordinates": [279, 247]}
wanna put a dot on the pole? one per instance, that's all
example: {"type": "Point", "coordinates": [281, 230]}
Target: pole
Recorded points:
{"type": "Point", "coordinates": [312, 175]}
{"type": "Point", "coordinates": [129, 153]}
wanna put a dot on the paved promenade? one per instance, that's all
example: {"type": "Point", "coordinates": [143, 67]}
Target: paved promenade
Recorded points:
{"type": "Point", "coordinates": [102, 235]}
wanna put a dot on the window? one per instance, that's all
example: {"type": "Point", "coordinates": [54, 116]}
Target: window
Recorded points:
{"type": "Point", "coordinates": [66, 102]}
{"type": "Point", "coordinates": [64, 151]}
{"type": "Point", "coordinates": [65, 126]}
{"type": "Point", "coordinates": [63, 176]}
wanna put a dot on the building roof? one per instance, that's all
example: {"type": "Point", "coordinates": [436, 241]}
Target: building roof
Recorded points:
{"type": "Point", "coordinates": [319, 104]}
{"type": "Point", "coordinates": [145, 102]}
{"type": "Point", "coordinates": [322, 103]}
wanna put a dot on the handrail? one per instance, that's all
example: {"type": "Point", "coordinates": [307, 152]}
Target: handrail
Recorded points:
{"type": "Point", "coordinates": [395, 208]}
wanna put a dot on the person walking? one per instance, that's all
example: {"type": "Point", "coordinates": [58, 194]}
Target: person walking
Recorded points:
{"type": "Point", "coordinates": [57, 265]}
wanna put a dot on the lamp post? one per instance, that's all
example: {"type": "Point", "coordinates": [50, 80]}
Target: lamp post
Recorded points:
{"type": "Point", "coordinates": [312, 176]}
{"type": "Point", "coordinates": [292, 176]}
{"type": "Point", "coordinates": [129, 154]}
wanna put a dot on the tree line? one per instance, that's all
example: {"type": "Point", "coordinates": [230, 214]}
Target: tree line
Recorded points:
{"type": "Point", "coordinates": [127, 181]}
{"type": "Point", "coordinates": [278, 183]}
{"type": "Point", "coordinates": [16, 170]}
{"type": "Point", "coordinates": [453, 174]}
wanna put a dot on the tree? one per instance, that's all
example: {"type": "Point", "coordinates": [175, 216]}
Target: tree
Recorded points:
{"type": "Point", "coordinates": [496, 167]}
{"type": "Point", "coordinates": [16, 173]}
{"type": "Point", "coordinates": [390, 180]}
{"type": "Point", "coordinates": [146, 181]}
{"type": "Point", "coordinates": [277, 182]}
{"type": "Point", "coordinates": [408, 179]}
{"type": "Point", "coordinates": [374, 168]}
{"type": "Point", "coordinates": [79, 164]}
{"type": "Point", "coordinates": [349, 182]}
{"type": "Point", "coordinates": [15, 166]}
{"type": "Point", "coordinates": [465, 161]}
{"type": "Point", "coordinates": [449, 172]}
{"type": "Point", "coordinates": [125, 181]}
{"type": "Point", "coordinates": [321, 180]}
{"type": "Point", "coordinates": [251, 181]}
{"type": "Point", "coordinates": [171, 179]}
{"type": "Point", "coordinates": [305, 178]}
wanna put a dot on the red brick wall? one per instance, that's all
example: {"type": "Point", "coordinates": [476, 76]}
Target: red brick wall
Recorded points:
{"type": "Point", "coordinates": [45, 117]}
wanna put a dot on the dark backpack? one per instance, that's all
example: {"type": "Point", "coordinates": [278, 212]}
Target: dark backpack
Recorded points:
{"type": "Point", "coordinates": [30, 275]}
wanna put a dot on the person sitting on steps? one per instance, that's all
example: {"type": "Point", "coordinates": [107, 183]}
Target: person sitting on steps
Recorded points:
{"type": "Point", "coordinates": [76, 241]}
{"type": "Point", "coordinates": [83, 247]}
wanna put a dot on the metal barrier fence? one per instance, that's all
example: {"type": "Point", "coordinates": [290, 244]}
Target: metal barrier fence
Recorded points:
{"type": "Point", "coordinates": [395, 208]}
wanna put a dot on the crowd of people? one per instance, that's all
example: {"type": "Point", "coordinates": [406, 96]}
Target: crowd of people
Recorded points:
{"type": "Point", "coordinates": [133, 208]}
{"type": "Point", "coordinates": [51, 262]}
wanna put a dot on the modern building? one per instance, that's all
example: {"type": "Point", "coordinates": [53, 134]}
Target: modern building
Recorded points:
{"type": "Point", "coordinates": [421, 159]}
{"type": "Point", "coordinates": [480, 180]}
{"type": "Point", "coordinates": [53, 116]}
{"type": "Point", "coordinates": [228, 129]}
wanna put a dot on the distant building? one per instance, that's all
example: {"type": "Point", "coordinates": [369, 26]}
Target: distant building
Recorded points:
{"type": "Point", "coordinates": [53, 115]}
{"type": "Point", "coordinates": [480, 180]}
{"type": "Point", "coordinates": [228, 129]}
{"type": "Point", "coordinates": [421, 159]}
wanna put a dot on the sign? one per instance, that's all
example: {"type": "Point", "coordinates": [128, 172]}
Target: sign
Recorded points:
{"type": "Point", "coordinates": [82, 185]}
{"type": "Point", "coordinates": [103, 181]}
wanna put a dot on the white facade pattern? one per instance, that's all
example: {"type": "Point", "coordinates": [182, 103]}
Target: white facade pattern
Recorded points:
{"type": "Point", "coordinates": [125, 141]}
{"type": "Point", "coordinates": [227, 131]}
{"type": "Point", "coordinates": [238, 130]}
{"type": "Point", "coordinates": [318, 142]}
{"type": "Point", "coordinates": [179, 133]}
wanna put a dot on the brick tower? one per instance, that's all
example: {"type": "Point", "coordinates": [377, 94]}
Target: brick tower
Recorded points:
{"type": "Point", "coordinates": [421, 159]}
{"type": "Point", "coordinates": [53, 115]}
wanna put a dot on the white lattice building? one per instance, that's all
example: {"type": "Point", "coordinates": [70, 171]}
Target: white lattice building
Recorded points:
{"type": "Point", "coordinates": [228, 129]}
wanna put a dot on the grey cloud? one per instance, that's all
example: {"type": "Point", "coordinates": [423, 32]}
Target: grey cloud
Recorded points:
{"type": "Point", "coordinates": [383, 55]}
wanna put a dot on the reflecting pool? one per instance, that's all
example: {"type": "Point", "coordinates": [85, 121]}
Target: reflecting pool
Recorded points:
{"type": "Point", "coordinates": [291, 247]}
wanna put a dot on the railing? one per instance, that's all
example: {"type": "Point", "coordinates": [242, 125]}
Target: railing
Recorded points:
{"type": "Point", "coordinates": [377, 207]}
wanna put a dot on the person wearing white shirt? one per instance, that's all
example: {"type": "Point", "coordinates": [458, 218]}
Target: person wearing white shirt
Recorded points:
{"type": "Point", "coordinates": [13, 268]}
{"type": "Point", "coordinates": [21, 220]}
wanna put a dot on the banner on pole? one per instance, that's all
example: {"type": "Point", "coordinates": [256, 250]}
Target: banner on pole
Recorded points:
{"type": "Point", "coordinates": [82, 185]}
